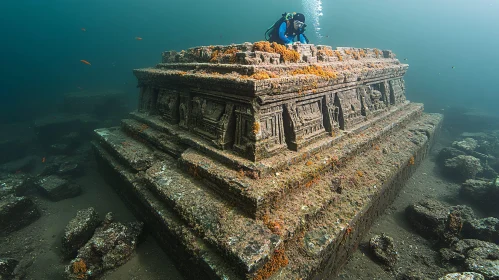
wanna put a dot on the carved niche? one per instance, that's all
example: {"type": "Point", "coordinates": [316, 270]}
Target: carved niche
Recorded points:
{"type": "Point", "coordinates": [350, 108]}
{"type": "Point", "coordinates": [212, 119]}
{"type": "Point", "coordinates": [245, 137]}
{"type": "Point", "coordinates": [331, 116]}
{"type": "Point", "coordinates": [148, 97]}
{"type": "Point", "coordinates": [184, 109]}
{"type": "Point", "coordinates": [397, 91]}
{"type": "Point", "coordinates": [270, 137]}
{"type": "Point", "coordinates": [304, 122]}
{"type": "Point", "coordinates": [168, 105]}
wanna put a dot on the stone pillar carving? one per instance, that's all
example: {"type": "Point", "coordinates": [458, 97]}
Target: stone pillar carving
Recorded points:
{"type": "Point", "coordinates": [397, 90]}
{"type": "Point", "coordinates": [148, 98]}
{"type": "Point", "coordinates": [331, 113]}
{"type": "Point", "coordinates": [351, 105]}
{"type": "Point", "coordinates": [168, 105]}
{"type": "Point", "coordinates": [184, 109]}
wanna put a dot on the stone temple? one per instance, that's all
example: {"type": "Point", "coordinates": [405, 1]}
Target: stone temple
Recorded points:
{"type": "Point", "coordinates": [263, 161]}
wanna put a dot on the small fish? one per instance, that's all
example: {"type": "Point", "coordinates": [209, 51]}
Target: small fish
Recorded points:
{"type": "Point", "coordinates": [453, 67]}
{"type": "Point", "coordinates": [43, 160]}
{"type": "Point", "coordinates": [19, 172]}
{"type": "Point", "coordinates": [84, 29]}
{"type": "Point", "coordinates": [138, 38]}
{"type": "Point", "coordinates": [85, 62]}
{"type": "Point", "coordinates": [327, 36]}
{"type": "Point", "coordinates": [80, 88]}
{"type": "Point", "coordinates": [405, 58]}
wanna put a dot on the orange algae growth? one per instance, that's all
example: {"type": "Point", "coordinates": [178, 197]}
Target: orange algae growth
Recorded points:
{"type": "Point", "coordinates": [326, 51]}
{"type": "Point", "coordinates": [308, 163]}
{"type": "Point", "coordinates": [338, 54]}
{"type": "Point", "coordinates": [277, 261]}
{"type": "Point", "coordinates": [360, 173]}
{"type": "Point", "coordinates": [263, 75]}
{"type": "Point", "coordinates": [256, 127]}
{"type": "Point", "coordinates": [232, 52]}
{"type": "Point", "coordinates": [214, 56]}
{"type": "Point", "coordinates": [376, 51]}
{"type": "Point", "coordinates": [315, 70]}
{"type": "Point", "coordinates": [286, 54]}
{"type": "Point", "coordinates": [362, 53]}
{"type": "Point", "coordinates": [349, 52]}
{"type": "Point", "coordinates": [79, 268]}
{"type": "Point", "coordinates": [411, 161]}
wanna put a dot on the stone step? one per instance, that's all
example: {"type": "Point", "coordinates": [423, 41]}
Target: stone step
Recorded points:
{"type": "Point", "coordinates": [258, 196]}
{"type": "Point", "coordinates": [329, 224]}
{"type": "Point", "coordinates": [162, 141]}
{"type": "Point", "coordinates": [192, 254]}
{"type": "Point", "coordinates": [127, 150]}
{"type": "Point", "coordinates": [248, 243]}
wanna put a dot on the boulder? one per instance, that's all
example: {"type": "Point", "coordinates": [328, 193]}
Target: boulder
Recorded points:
{"type": "Point", "coordinates": [486, 229]}
{"type": "Point", "coordinates": [466, 145]}
{"type": "Point", "coordinates": [56, 188]}
{"type": "Point", "coordinates": [79, 230]}
{"type": "Point", "coordinates": [111, 246]}
{"type": "Point", "coordinates": [482, 193]}
{"type": "Point", "coordinates": [463, 276]}
{"type": "Point", "coordinates": [477, 256]}
{"type": "Point", "coordinates": [7, 268]}
{"type": "Point", "coordinates": [382, 247]}
{"type": "Point", "coordinates": [463, 167]}
{"type": "Point", "coordinates": [434, 220]}
{"type": "Point", "coordinates": [16, 184]}
{"type": "Point", "coordinates": [16, 212]}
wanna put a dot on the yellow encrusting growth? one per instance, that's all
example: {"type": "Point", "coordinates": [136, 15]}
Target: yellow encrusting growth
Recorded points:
{"type": "Point", "coordinates": [338, 54]}
{"type": "Point", "coordinates": [286, 54]}
{"type": "Point", "coordinates": [256, 127]}
{"type": "Point", "coordinates": [315, 70]}
{"type": "Point", "coordinates": [277, 261]}
{"type": "Point", "coordinates": [263, 75]}
{"type": "Point", "coordinates": [79, 268]}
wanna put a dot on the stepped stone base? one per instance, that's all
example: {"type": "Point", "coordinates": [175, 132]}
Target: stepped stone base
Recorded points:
{"type": "Point", "coordinates": [244, 177]}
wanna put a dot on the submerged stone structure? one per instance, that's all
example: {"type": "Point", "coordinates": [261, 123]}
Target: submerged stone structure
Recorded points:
{"type": "Point", "coordinates": [259, 161]}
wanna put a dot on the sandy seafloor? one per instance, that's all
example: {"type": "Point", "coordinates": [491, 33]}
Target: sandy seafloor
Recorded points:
{"type": "Point", "coordinates": [39, 242]}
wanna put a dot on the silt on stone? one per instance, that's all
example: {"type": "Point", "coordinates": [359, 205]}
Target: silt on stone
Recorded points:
{"type": "Point", "coordinates": [110, 247]}
{"type": "Point", "coordinates": [56, 188]}
{"type": "Point", "coordinates": [79, 230]}
{"type": "Point", "coordinates": [16, 212]}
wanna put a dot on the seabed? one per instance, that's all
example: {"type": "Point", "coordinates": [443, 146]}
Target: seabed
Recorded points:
{"type": "Point", "coordinates": [257, 161]}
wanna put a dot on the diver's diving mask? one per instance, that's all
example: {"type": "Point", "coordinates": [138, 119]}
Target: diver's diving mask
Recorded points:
{"type": "Point", "coordinates": [299, 25]}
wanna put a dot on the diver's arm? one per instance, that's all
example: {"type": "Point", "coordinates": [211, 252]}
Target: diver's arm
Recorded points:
{"type": "Point", "coordinates": [303, 39]}
{"type": "Point", "coordinates": [282, 34]}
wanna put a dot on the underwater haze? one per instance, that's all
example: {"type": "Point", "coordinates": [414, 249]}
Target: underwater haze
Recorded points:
{"type": "Point", "coordinates": [450, 45]}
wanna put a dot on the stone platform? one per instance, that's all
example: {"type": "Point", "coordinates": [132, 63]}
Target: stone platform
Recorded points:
{"type": "Point", "coordinates": [259, 161]}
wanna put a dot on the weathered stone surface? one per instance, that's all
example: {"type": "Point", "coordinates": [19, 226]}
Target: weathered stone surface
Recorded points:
{"type": "Point", "coordinates": [56, 188]}
{"type": "Point", "coordinates": [479, 256]}
{"type": "Point", "coordinates": [79, 230]}
{"type": "Point", "coordinates": [463, 276]}
{"type": "Point", "coordinates": [383, 249]}
{"type": "Point", "coordinates": [16, 212]}
{"type": "Point", "coordinates": [486, 229]}
{"type": "Point", "coordinates": [7, 268]}
{"type": "Point", "coordinates": [433, 219]}
{"type": "Point", "coordinates": [484, 194]}
{"type": "Point", "coordinates": [467, 145]}
{"type": "Point", "coordinates": [110, 247]}
{"type": "Point", "coordinates": [16, 184]}
{"type": "Point", "coordinates": [463, 167]}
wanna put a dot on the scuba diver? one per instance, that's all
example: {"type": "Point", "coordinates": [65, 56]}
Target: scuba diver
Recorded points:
{"type": "Point", "coordinates": [287, 28]}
